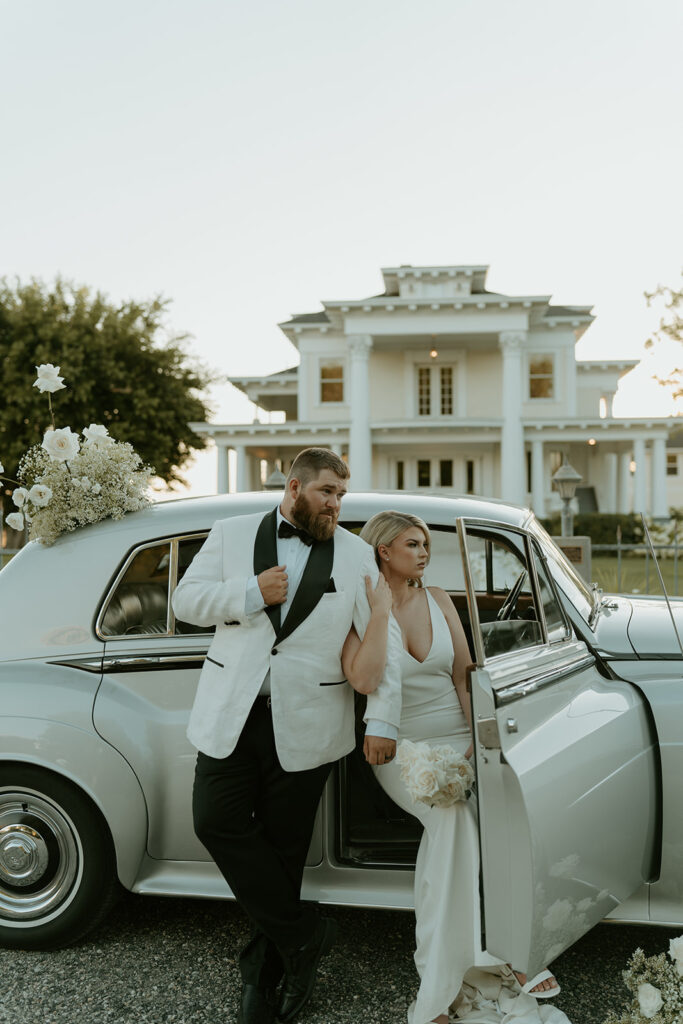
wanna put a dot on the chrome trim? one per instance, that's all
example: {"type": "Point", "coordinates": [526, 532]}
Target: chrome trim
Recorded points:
{"type": "Point", "coordinates": [172, 584]}
{"type": "Point", "coordinates": [475, 624]}
{"type": "Point", "coordinates": [133, 661]}
{"type": "Point", "coordinates": [85, 664]}
{"type": "Point", "coordinates": [535, 587]}
{"type": "Point", "coordinates": [521, 689]}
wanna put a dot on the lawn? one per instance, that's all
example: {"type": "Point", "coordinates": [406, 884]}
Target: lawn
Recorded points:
{"type": "Point", "coordinates": [638, 575]}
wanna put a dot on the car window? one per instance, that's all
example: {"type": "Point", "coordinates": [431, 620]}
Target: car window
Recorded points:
{"type": "Point", "coordinates": [564, 573]}
{"type": "Point", "coordinates": [139, 603]}
{"type": "Point", "coordinates": [445, 567]}
{"type": "Point", "coordinates": [556, 624]}
{"type": "Point", "coordinates": [503, 590]}
{"type": "Point", "coordinates": [187, 549]}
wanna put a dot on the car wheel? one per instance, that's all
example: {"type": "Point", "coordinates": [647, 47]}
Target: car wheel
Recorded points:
{"type": "Point", "coordinates": [57, 863]}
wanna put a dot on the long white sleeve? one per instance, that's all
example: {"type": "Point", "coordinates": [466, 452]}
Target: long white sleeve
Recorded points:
{"type": "Point", "coordinates": [203, 597]}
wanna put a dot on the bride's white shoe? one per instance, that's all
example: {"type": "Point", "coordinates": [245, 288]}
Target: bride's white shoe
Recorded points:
{"type": "Point", "coordinates": [540, 993]}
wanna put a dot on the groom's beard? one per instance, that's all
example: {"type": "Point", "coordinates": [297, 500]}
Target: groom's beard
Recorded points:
{"type": "Point", "coordinates": [320, 525]}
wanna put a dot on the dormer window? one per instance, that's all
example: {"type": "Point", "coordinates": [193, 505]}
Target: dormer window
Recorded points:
{"type": "Point", "coordinates": [331, 382]}
{"type": "Point", "coordinates": [541, 375]}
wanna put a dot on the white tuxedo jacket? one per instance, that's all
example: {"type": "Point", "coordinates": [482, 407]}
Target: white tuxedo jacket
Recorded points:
{"type": "Point", "coordinates": [312, 704]}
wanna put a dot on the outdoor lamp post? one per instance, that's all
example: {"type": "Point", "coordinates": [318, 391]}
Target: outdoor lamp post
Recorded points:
{"type": "Point", "coordinates": [566, 479]}
{"type": "Point", "coordinates": [276, 481]}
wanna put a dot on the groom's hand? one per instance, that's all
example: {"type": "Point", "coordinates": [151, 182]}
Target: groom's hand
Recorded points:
{"type": "Point", "coordinates": [273, 584]}
{"type": "Point", "coordinates": [379, 750]}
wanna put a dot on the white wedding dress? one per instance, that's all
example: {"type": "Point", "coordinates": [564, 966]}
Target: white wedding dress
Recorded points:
{"type": "Point", "coordinates": [448, 936]}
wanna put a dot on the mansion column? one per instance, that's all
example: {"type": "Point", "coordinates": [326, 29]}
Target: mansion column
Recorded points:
{"type": "Point", "coordinates": [513, 470]}
{"type": "Point", "coordinates": [537, 479]}
{"type": "Point", "coordinates": [360, 442]}
{"type": "Point", "coordinates": [624, 482]}
{"type": "Point", "coordinates": [639, 499]}
{"type": "Point", "coordinates": [242, 482]}
{"type": "Point", "coordinates": [610, 482]}
{"type": "Point", "coordinates": [659, 506]}
{"type": "Point", "coordinates": [222, 469]}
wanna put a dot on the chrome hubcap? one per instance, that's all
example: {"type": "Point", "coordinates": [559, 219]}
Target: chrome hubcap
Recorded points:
{"type": "Point", "coordinates": [24, 855]}
{"type": "Point", "coordinates": [40, 858]}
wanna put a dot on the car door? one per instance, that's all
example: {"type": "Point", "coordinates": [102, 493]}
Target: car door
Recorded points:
{"type": "Point", "coordinates": [566, 761]}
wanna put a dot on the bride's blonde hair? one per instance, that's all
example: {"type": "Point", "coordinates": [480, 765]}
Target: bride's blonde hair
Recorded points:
{"type": "Point", "coordinates": [385, 527]}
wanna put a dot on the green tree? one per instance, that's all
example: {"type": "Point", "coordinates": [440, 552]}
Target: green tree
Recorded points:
{"type": "Point", "coordinates": [670, 329]}
{"type": "Point", "coordinates": [121, 365]}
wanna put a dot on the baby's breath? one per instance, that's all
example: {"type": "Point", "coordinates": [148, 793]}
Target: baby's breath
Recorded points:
{"type": "Point", "coordinates": [662, 974]}
{"type": "Point", "coordinates": [103, 480]}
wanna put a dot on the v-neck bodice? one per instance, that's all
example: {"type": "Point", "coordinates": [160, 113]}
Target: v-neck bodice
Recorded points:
{"type": "Point", "coordinates": [431, 708]}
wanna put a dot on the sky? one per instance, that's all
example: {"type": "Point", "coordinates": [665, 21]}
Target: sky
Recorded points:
{"type": "Point", "coordinates": [247, 159]}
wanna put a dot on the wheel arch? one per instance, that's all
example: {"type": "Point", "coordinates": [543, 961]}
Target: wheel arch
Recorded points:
{"type": "Point", "coordinates": [93, 767]}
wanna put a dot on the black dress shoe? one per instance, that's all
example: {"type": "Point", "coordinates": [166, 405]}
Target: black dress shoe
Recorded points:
{"type": "Point", "coordinates": [258, 1005]}
{"type": "Point", "coordinates": [301, 967]}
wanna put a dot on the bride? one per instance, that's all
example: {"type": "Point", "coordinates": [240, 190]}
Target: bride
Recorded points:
{"type": "Point", "coordinates": [454, 972]}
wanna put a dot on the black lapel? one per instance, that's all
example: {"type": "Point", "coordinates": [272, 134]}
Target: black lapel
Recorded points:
{"type": "Point", "coordinates": [265, 557]}
{"type": "Point", "coordinates": [314, 581]}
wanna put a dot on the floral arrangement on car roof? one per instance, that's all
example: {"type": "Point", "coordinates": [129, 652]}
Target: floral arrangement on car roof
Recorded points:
{"type": "Point", "coordinates": [66, 482]}
{"type": "Point", "coordinates": [436, 775]}
{"type": "Point", "coordinates": [656, 987]}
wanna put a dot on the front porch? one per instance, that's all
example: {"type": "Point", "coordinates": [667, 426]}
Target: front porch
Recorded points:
{"type": "Point", "coordinates": [622, 462]}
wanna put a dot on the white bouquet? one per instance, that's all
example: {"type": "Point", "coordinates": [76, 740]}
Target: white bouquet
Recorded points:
{"type": "Point", "coordinates": [68, 483]}
{"type": "Point", "coordinates": [436, 775]}
{"type": "Point", "coordinates": [656, 987]}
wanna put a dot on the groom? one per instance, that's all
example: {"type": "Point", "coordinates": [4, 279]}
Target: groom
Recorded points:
{"type": "Point", "coordinates": [273, 712]}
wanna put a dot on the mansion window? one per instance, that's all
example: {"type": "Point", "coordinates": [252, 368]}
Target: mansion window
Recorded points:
{"type": "Point", "coordinates": [671, 464]}
{"type": "Point", "coordinates": [435, 390]}
{"type": "Point", "coordinates": [331, 382]}
{"type": "Point", "coordinates": [541, 376]}
{"type": "Point", "coordinates": [424, 473]}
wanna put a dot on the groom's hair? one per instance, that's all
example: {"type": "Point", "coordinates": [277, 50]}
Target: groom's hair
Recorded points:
{"type": "Point", "coordinates": [309, 464]}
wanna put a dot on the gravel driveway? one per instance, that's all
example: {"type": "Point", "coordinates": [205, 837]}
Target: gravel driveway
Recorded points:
{"type": "Point", "coordinates": [169, 961]}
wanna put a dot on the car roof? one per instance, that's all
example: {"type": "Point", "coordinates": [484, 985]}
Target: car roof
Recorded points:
{"type": "Point", "coordinates": [63, 584]}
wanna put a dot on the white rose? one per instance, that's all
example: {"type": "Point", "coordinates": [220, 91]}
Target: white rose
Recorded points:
{"type": "Point", "coordinates": [649, 1000]}
{"type": "Point", "coordinates": [61, 445]}
{"type": "Point", "coordinates": [85, 483]}
{"type": "Point", "coordinates": [676, 953]}
{"type": "Point", "coordinates": [15, 520]}
{"type": "Point", "coordinates": [19, 496]}
{"type": "Point", "coordinates": [96, 488]}
{"type": "Point", "coordinates": [40, 494]}
{"type": "Point", "coordinates": [424, 780]}
{"type": "Point", "coordinates": [48, 378]}
{"type": "Point", "coordinates": [96, 434]}
{"type": "Point", "coordinates": [557, 915]}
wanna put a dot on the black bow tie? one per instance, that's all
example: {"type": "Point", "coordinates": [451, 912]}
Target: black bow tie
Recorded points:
{"type": "Point", "coordinates": [286, 530]}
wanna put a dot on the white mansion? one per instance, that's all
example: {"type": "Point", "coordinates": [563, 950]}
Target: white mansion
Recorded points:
{"type": "Point", "coordinates": [439, 384]}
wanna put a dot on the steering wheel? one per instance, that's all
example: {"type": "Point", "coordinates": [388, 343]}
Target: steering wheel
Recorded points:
{"type": "Point", "coordinates": [508, 606]}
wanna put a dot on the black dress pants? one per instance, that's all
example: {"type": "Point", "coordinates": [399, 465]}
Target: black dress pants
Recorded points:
{"type": "Point", "coordinates": [256, 821]}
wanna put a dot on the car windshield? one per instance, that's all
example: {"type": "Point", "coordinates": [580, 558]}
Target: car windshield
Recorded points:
{"type": "Point", "coordinates": [564, 573]}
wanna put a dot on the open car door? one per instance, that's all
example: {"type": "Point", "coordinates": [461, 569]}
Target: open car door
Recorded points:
{"type": "Point", "coordinates": [566, 759]}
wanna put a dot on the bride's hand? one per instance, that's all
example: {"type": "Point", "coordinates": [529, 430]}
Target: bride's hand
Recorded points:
{"type": "Point", "coordinates": [379, 597]}
{"type": "Point", "coordinates": [469, 751]}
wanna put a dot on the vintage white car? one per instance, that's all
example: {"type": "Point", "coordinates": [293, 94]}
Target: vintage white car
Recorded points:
{"type": "Point", "coordinates": [578, 709]}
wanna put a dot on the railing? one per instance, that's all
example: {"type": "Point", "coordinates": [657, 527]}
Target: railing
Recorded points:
{"type": "Point", "coordinates": [634, 571]}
